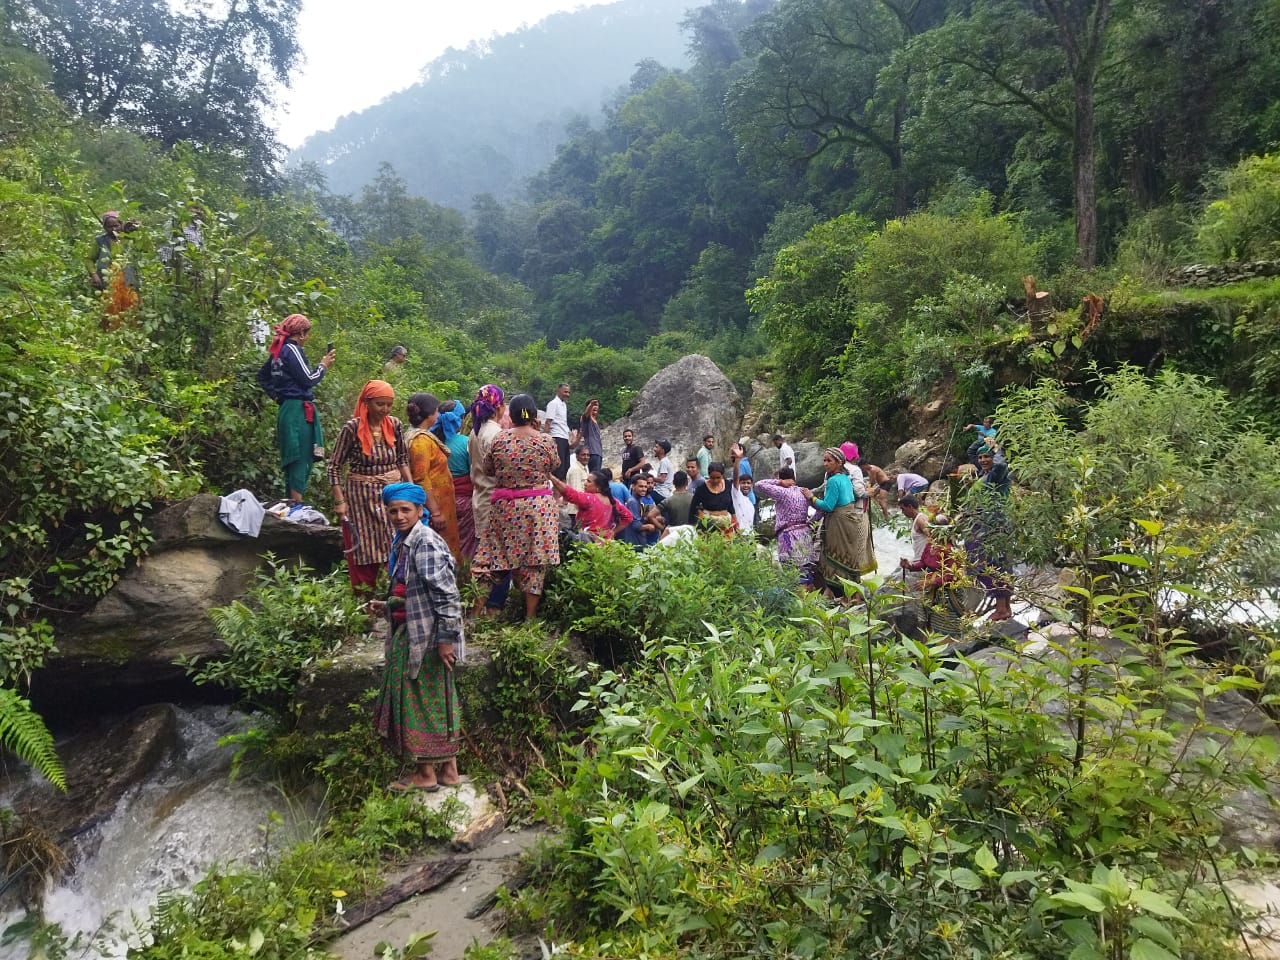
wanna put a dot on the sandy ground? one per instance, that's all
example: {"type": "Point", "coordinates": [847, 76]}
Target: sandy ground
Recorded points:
{"type": "Point", "coordinates": [444, 909]}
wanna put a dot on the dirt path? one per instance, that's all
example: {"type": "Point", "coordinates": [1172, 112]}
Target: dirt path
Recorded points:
{"type": "Point", "coordinates": [444, 909]}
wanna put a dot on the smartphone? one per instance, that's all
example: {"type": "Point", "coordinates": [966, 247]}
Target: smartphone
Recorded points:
{"type": "Point", "coordinates": [329, 348]}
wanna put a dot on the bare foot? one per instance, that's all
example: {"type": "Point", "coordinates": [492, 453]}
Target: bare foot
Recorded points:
{"type": "Point", "coordinates": [448, 775]}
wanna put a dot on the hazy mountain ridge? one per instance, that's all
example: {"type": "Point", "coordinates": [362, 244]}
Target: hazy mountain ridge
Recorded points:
{"type": "Point", "coordinates": [484, 119]}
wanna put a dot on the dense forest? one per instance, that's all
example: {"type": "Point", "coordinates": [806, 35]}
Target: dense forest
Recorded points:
{"type": "Point", "coordinates": [855, 201]}
{"type": "Point", "coordinates": [485, 119]}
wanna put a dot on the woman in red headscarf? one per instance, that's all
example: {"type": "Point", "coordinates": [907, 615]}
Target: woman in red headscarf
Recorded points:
{"type": "Point", "coordinates": [371, 446]}
{"type": "Point", "coordinates": [298, 433]}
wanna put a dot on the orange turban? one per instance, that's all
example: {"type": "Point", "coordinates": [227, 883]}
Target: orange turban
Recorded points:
{"type": "Point", "coordinates": [373, 390]}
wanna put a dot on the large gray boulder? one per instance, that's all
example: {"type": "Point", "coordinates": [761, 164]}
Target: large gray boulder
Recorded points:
{"type": "Point", "coordinates": [160, 608]}
{"type": "Point", "coordinates": [680, 403]}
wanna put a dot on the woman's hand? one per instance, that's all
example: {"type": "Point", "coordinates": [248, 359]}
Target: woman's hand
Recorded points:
{"type": "Point", "coordinates": [378, 608]}
{"type": "Point", "coordinates": [340, 508]}
{"type": "Point", "coordinates": [448, 655]}
{"type": "Point", "coordinates": [327, 360]}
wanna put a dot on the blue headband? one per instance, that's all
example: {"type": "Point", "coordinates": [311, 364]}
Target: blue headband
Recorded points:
{"type": "Point", "coordinates": [408, 492]}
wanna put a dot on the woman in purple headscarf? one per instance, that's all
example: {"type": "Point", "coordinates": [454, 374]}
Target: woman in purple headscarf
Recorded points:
{"type": "Point", "coordinates": [486, 414]}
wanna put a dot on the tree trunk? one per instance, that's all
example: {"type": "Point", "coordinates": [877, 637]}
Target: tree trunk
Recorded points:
{"type": "Point", "coordinates": [1085, 175]}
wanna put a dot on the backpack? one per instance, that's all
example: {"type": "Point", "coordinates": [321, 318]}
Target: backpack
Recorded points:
{"type": "Point", "coordinates": [271, 378]}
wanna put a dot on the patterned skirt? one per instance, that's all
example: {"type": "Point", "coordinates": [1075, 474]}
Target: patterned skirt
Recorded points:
{"type": "Point", "coordinates": [466, 518]}
{"type": "Point", "coordinates": [420, 719]}
{"type": "Point", "coordinates": [847, 549]}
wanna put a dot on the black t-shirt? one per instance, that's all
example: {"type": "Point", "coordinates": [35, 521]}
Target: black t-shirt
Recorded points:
{"type": "Point", "coordinates": [704, 499]}
{"type": "Point", "coordinates": [631, 456]}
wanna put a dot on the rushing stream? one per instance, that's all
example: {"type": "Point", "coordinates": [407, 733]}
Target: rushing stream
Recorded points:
{"type": "Point", "coordinates": [163, 835]}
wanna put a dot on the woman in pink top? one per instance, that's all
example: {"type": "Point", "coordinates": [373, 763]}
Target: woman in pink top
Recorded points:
{"type": "Point", "coordinates": [598, 513]}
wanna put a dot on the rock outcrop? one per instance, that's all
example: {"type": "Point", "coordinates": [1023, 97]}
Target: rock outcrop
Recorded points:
{"type": "Point", "coordinates": [100, 768]}
{"type": "Point", "coordinates": [160, 608]}
{"type": "Point", "coordinates": [681, 403]}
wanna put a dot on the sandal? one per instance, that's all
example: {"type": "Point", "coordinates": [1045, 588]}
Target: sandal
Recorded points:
{"type": "Point", "coordinates": [408, 786]}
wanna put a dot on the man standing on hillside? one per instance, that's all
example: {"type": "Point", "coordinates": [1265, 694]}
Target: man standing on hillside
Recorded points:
{"type": "Point", "coordinates": [632, 456]}
{"type": "Point", "coordinates": [786, 456]}
{"type": "Point", "coordinates": [558, 427]}
{"type": "Point", "coordinates": [704, 454]}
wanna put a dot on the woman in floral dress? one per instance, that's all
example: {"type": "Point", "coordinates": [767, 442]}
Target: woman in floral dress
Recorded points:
{"type": "Point", "coordinates": [791, 520]}
{"type": "Point", "coordinates": [522, 535]}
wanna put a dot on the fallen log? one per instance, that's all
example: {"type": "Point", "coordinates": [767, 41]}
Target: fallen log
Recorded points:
{"type": "Point", "coordinates": [427, 877]}
{"type": "Point", "coordinates": [479, 832]}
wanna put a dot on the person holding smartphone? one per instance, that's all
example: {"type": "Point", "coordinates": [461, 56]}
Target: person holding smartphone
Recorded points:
{"type": "Point", "coordinates": [298, 432]}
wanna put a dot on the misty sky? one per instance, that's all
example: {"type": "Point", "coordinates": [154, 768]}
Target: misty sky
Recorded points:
{"type": "Point", "coordinates": [358, 51]}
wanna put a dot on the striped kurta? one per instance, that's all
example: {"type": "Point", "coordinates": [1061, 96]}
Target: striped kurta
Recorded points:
{"type": "Point", "coordinates": [366, 476]}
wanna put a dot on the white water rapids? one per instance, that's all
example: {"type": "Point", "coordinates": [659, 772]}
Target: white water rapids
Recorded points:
{"type": "Point", "coordinates": [164, 834]}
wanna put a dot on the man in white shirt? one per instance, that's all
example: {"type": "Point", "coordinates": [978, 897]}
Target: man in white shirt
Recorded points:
{"type": "Point", "coordinates": [743, 509]}
{"type": "Point", "coordinates": [558, 427]}
{"type": "Point", "coordinates": [786, 456]}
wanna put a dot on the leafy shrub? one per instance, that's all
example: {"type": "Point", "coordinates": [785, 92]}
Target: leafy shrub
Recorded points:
{"type": "Point", "coordinates": [617, 596]}
{"type": "Point", "coordinates": [824, 788]}
{"type": "Point", "coordinates": [289, 906]}
{"type": "Point", "coordinates": [1244, 222]}
{"type": "Point", "coordinates": [526, 692]}
{"type": "Point", "coordinates": [291, 618]}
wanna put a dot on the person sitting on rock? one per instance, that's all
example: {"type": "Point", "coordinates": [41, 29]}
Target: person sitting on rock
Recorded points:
{"type": "Point", "coordinates": [644, 529]}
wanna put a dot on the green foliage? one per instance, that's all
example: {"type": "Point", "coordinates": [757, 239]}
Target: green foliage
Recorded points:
{"type": "Point", "coordinates": [618, 597]}
{"type": "Point", "coordinates": [291, 619]}
{"type": "Point", "coordinates": [805, 304]}
{"type": "Point", "coordinates": [1171, 451]}
{"type": "Point", "coordinates": [1243, 223]}
{"type": "Point", "coordinates": [24, 733]}
{"type": "Point", "coordinates": [295, 901]}
{"type": "Point", "coordinates": [527, 693]}
{"type": "Point", "coordinates": [825, 788]}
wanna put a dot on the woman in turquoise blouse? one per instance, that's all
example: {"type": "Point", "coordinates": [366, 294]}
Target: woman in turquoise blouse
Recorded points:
{"type": "Point", "coordinates": [846, 548]}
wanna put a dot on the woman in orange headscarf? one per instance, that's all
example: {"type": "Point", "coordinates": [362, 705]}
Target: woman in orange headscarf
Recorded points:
{"type": "Point", "coordinates": [371, 446]}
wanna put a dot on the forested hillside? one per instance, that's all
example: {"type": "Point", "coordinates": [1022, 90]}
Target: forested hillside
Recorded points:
{"type": "Point", "coordinates": [485, 119]}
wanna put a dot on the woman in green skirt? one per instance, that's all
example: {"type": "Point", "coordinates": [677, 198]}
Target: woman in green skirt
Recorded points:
{"type": "Point", "coordinates": [417, 712]}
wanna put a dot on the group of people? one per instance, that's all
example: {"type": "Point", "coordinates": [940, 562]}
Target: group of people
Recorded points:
{"type": "Point", "coordinates": [485, 490]}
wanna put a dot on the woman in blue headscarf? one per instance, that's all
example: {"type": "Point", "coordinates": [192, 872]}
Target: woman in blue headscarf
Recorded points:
{"type": "Point", "coordinates": [417, 711]}
{"type": "Point", "coordinates": [449, 429]}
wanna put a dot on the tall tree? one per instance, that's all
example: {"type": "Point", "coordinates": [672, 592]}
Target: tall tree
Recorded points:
{"type": "Point", "coordinates": [175, 70]}
{"type": "Point", "coordinates": [1043, 56]}
{"type": "Point", "coordinates": [820, 84]}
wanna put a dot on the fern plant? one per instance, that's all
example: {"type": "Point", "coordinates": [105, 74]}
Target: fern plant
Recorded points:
{"type": "Point", "coordinates": [23, 731]}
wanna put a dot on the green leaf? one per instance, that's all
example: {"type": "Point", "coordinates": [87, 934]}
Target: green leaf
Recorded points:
{"type": "Point", "coordinates": [985, 860]}
{"type": "Point", "coordinates": [965, 879]}
{"type": "Point", "coordinates": [1010, 877]}
{"type": "Point", "coordinates": [1081, 899]}
{"type": "Point", "coordinates": [1131, 559]}
{"type": "Point", "coordinates": [1153, 929]}
{"type": "Point", "coordinates": [1153, 902]}
{"type": "Point", "coordinates": [1144, 949]}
